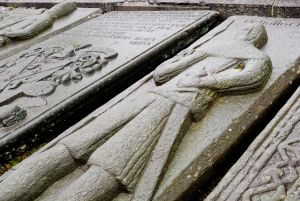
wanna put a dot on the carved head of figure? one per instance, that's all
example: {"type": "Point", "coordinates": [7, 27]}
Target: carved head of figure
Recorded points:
{"type": "Point", "coordinates": [255, 34]}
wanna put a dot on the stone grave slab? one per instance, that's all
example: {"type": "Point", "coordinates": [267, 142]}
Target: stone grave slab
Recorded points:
{"type": "Point", "coordinates": [164, 134]}
{"type": "Point", "coordinates": [269, 169]}
{"type": "Point", "coordinates": [10, 18]}
{"type": "Point", "coordinates": [85, 65]}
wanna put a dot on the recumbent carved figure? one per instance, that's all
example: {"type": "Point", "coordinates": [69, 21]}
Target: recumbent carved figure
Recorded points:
{"type": "Point", "coordinates": [128, 148]}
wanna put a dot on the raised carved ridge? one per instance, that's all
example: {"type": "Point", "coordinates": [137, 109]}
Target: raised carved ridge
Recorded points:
{"type": "Point", "coordinates": [269, 170]}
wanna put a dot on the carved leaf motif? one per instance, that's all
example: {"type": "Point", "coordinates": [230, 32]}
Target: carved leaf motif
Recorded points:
{"type": "Point", "coordinates": [38, 72]}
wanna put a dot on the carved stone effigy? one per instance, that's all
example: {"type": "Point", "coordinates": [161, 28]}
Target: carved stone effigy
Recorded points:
{"type": "Point", "coordinates": [128, 148]}
{"type": "Point", "coordinates": [72, 70]}
{"type": "Point", "coordinates": [163, 134]}
{"type": "Point", "coordinates": [25, 26]}
{"type": "Point", "coordinates": [269, 169]}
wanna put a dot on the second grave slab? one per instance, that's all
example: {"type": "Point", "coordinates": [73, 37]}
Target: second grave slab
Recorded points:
{"type": "Point", "coordinates": [50, 83]}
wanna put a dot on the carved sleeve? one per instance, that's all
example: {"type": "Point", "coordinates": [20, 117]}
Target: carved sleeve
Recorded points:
{"type": "Point", "coordinates": [176, 65]}
{"type": "Point", "coordinates": [255, 73]}
{"type": "Point", "coordinates": [249, 75]}
{"type": "Point", "coordinates": [62, 9]}
{"type": "Point", "coordinates": [30, 27]}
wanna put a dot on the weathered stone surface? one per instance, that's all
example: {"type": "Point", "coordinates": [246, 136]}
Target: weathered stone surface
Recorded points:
{"type": "Point", "coordinates": [245, 2]}
{"type": "Point", "coordinates": [229, 7]}
{"type": "Point", "coordinates": [144, 5]}
{"type": "Point", "coordinates": [284, 8]}
{"type": "Point", "coordinates": [225, 7]}
{"type": "Point", "coordinates": [270, 8]}
{"type": "Point", "coordinates": [158, 141]}
{"type": "Point", "coordinates": [104, 5]}
{"type": "Point", "coordinates": [24, 15]}
{"type": "Point", "coordinates": [269, 169]}
{"type": "Point", "coordinates": [17, 24]}
{"type": "Point", "coordinates": [45, 85]}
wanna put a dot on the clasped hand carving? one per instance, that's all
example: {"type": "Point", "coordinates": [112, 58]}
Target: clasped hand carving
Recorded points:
{"type": "Point", "coordinates": [230, 69]}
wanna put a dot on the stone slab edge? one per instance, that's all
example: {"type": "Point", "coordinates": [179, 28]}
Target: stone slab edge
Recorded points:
{"type": "Point", "coordinates": [267, 132]}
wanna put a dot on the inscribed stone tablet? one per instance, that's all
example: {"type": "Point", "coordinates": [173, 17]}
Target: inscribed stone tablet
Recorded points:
{"type": "Point", "coordinates": [168, 131]}
{"type": "Point", "coordinates": [269, 169]}
{"type": "Point", "coordinates": [44, 85]}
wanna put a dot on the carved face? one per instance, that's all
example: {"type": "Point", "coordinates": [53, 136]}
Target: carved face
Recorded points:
{"type": "Point", "coordinates": [255, 34]}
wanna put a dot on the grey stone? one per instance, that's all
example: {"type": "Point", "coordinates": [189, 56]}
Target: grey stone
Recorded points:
{"type": "Point", "coordinates": [43, 87]}
{"type": "Point", "coordinates": [19, 24]}
{"type": "Point", "coordinates": [284, 8]}
{"type": "Point", "coordinates": [269, 8]}
{"type": "Point", "coordinates": [39, 3]}
{"type": "Point", "coordinates": [246, 2]}
{"type": "Point", "coordinates": [269, 169]}
{"type": "Point", "coordinates": [103, 187]}
{"type": "Point", "coordinates": [167, 131]}
{"type": "Point", "coordinates": [225, 7]}
{"type": "Point", "coordinates": [38, 177]}
{"type": "Point", "coordinates": [57, 24]}
{"type": "Point", "coordinates": [105, 6]}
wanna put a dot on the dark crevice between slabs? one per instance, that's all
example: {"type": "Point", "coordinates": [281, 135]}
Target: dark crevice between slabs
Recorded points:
{"type": "Point", "coordinates": [27, 144]}
{"type": "Point", "coordinates": [200, 190]}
